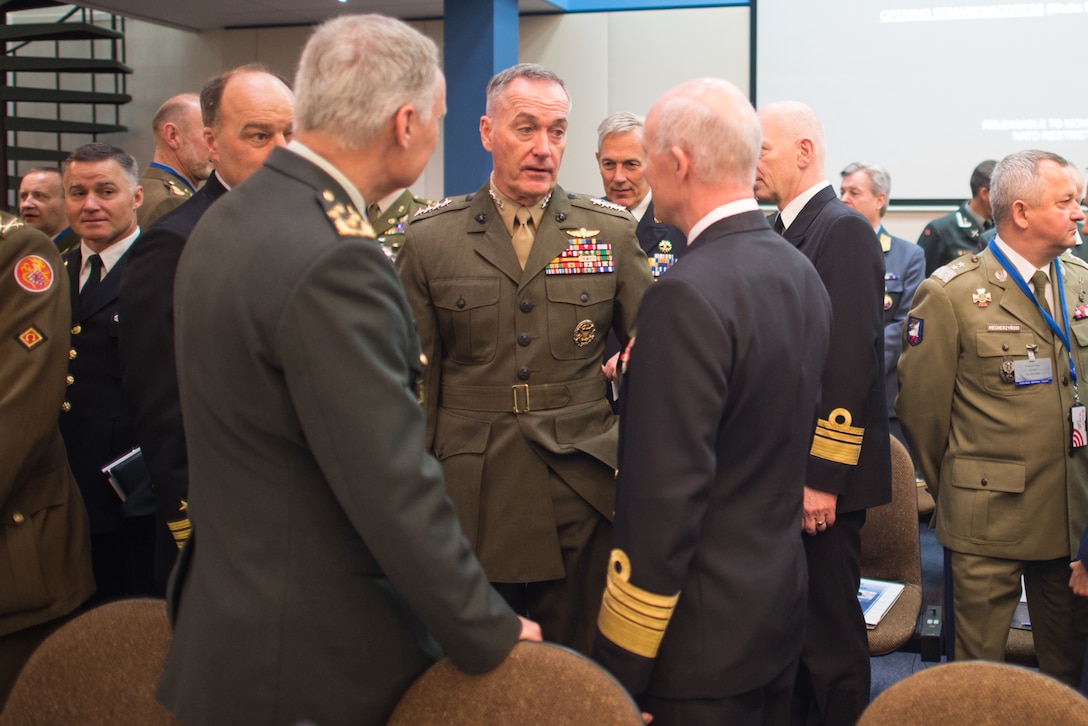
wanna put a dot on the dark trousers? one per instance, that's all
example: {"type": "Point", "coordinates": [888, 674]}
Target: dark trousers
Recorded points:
{"type": "Point", "coordinates": [833, 677]}
{"type": "Point", "coordinates": [567, 609]}
{"type": "Point", "coordinates": [124, 562]}
{"type": "Point", "coordinates": [768, 705]}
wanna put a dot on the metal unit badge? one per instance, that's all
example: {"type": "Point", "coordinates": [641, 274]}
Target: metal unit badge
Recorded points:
{"type": "Point", "coordinates": [584, 333]}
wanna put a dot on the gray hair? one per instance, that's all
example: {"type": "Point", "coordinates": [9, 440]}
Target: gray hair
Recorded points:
{"type": "Point", "coordinates": [534, 72]}
{"type": "Point", "coordinates": [619, 123]}
{"type": "Point", "coordinates": [722, 147]}
{"type": "Point", "coordinates": [98, 151]}
{"type": "Point", "coordinates": [1017, 177]}
{"type": "Point", "coordinates": [357, 70]}
{"type": "Point", "coordinates": [880, 182]}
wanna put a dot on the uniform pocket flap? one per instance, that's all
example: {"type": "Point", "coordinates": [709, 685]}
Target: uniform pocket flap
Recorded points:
{"type": "Point", "coordinates": [989, 475]}
{"type": "Point", "coordinates": [455, 435]}
{"type": "Point", "coordinates": [996, 344]}
{"type": "Point", "coordinates": [1080, 331]}
{"type": "Point", "coordinates": [581, 289]}
{"type": "Point", "coordinates": [41, 491]}
{"type": "Point", "coordinates": [465, 293]}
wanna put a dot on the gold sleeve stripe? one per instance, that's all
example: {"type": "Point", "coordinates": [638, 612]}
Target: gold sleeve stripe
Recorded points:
{"type": "Point", "coordinates": [836, 440]}
{"type": "Point", "coordinates": [630, 617]}
{"type": "Point", "coordinates": [180, 529]}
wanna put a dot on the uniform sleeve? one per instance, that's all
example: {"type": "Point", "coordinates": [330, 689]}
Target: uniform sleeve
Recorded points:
{"type": "Point", "coordinates": [356, 399]}
{"type": "Point", "coordinates": [416, 287]}
{"type": "Point", "coordinates": [933, 247]}
{"type": "Point", "coordinates": [633, 277]}
{"type": "Point", "coordinates": [35, 320]}
{"type": "Point", "coordinates": [149, 370]}
{"type": "Point", "coordinates": [851, 266]}
{"type": "Point", "coordinates": [893, 331]}
{"type": "Point", "coordinates": [661, 500]}
{"type": "Point", "coordinates": [927, 378]}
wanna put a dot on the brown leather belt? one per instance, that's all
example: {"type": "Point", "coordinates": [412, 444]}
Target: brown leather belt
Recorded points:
{"type": "Point", "coordinates": [523, 397]}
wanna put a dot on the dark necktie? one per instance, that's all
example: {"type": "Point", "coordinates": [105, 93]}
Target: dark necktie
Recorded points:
{"type": "Point", "coordinates": [1038, 281]}
{"type": "Point", "coordinates": [92, 279]}
{"type": "Point", "coordinates": [778, 225]}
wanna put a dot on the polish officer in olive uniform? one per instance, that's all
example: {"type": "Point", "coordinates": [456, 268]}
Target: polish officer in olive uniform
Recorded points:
{"type": "Point", "coordinates": [988, 400]}
{"type": "Point", "coordinates": [514, 289]}
{"type": "Point", "coordinates": [390, 217]}
{"type": "Point", "coordinates": [45, 548]}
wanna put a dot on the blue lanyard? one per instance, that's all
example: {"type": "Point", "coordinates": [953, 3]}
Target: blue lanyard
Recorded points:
{"type": "Point", "coordinates": [168, 170]}
{"type": "Point", "coordinates": [1059, 285]}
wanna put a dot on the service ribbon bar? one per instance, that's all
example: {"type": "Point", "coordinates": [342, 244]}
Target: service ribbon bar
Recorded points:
{"type": "Point", "coordinates": [583, 257]}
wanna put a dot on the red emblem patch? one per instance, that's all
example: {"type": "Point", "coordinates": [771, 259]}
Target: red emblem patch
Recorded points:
{"type": "Point", "coordinates": [31, 338]}
{"type": "Point", "coordinates": [34, 274]}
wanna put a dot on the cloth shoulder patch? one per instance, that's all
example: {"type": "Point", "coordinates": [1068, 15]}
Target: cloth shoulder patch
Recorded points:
{"type": "Point", "coordinates": [914, 330]}
{"type": "Point", "coordinates": [34, 273]}
{"type": "Point", "coordinates": [633, 618]}
{"type": "Point", "coordinates": [31, 338]}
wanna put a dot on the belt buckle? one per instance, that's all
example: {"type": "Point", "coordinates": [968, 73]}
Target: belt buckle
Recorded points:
{"type": "Point", "coordinates": [517, 406]}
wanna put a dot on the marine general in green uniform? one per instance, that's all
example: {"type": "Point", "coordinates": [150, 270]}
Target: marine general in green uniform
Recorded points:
{"type": "Point", "coordinates": [514, 289]}
{"type": "Point", "coordinates": [987, 395]}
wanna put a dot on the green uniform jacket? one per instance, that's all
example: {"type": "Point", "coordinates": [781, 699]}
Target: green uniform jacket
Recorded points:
{"type": "Point", "coordinates": [995, 455]}
{"type": "Point", "coordinates": [498, 337]}
{"type": "Point", "coordinates": [45, 547]}
{"type": "Point", "coordinates": [162, 192]}
{"type": "Point", "coordinates": [954, 235]}
{"type": "Point", "coordinates": [393, 222]}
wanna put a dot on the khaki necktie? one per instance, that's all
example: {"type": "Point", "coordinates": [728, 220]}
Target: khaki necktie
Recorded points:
{"type": "Point", "coordinates": [523, 235]}
{"type": "Point", "coordinates": [1038, 281]}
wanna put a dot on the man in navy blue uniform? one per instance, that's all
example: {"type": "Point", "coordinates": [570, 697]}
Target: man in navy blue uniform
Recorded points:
{"type": "Point", "coordinates": [850, 461]}
{"type": "Point", "coordinates": [865, 189]}
{"type": "Point", "coordinates": [713, 456]}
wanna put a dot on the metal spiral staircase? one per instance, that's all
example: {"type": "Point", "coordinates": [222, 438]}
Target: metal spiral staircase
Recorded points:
{"type": "Point", "coordinates": [62, 85]}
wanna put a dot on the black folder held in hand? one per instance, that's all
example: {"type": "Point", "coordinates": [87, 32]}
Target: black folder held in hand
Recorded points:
{"type": "Point", "coordinates": [130, 479]}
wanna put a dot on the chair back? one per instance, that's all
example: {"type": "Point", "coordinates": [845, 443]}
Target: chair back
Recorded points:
{"type": "Point", "coordinates": [100, 668]}
{"type": "Point", "coordinates": [536, 683]}
{"type": "Point", "coordinates": [977, 693]}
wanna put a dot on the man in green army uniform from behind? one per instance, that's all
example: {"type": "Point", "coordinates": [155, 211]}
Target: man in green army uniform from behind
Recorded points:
{"type": "Point", "coordinates": [514, 289]}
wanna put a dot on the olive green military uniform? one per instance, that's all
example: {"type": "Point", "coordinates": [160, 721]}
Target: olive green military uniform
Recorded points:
{"type": "Point", "coordinates": [514, 391]}
{"type": "Point", "coordinates": [390, 223]}
{"type": "Point", "coordinates": [162, 192]}
{"type": "Point", "coordinates": [954, 235]}
{"type": "Point", "coordinates": [1011, 497]}
{"type": "Point", "coordinates": [45, 548]}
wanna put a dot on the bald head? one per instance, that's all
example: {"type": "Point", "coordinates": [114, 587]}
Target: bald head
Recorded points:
{"type": "Point", "coordinates": [179, 137]}
{"type": "Point", "coordinates": [792, 157]}
{"type": "Point", "coordinates": [702, 139]}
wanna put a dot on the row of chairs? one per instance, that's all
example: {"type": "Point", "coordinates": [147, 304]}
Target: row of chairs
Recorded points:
{"type": "Point", "coordinates": [101, 668]}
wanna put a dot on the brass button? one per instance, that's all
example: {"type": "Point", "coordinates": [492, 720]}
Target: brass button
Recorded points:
{"type": "Point", "coordinates": [72, 354]}
{"type": "Point", "coordinates": [66, 407]}
{"type": "Point", "coordinates": [70, 380]}
{"type": "Point", "coordinates": [18, 518]}
{"type": "Point", "coordinates": [423, 359]}
{"type": "Point", "coordinates": [77, 329]}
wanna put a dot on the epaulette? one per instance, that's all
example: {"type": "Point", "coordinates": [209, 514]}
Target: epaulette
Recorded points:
{"type": "Point", "coordinates": [952, 270]}
{"type": "Point", "coordinates": [176, 190]}
{"type": "Point", "coordinates": [596, 204]}
{"type": "Point", "coordinates": [1068, 258]}
{"type": "Point", "coordinates": [8, 225]}
{"type": "Point", "coordinates": [345, 217]}
{"type": "Point", "coordinates": [449, 204]}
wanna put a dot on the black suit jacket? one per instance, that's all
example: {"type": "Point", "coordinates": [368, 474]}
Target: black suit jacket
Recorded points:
{"type": "Point", "coordinates": [650, 234]}
{"type": "Point", "coordinates": [843, 248]}
{"type": "Point", "coordinates": [327, 565]}
{"type": "Point", "coordinates": [149, 371]}
{"type": "Point", "coordinates": [95, 421]}
{"type": "Point", "coordinates": [713, 459]}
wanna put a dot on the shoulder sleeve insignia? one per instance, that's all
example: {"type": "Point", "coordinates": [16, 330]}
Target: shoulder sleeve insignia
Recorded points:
{"type": "Point", "coordinates": [836, 440]}
{"type": "Point", "coordinates": [633, 618]}
{"type": "Point", "coordinates": [34, 274]}
{"type": "Point", "coordinates": [31, 338]}
{"type": "Point", "coordinates": [914, 330]}
{"type": "Point", "coordinates": [607, 204]}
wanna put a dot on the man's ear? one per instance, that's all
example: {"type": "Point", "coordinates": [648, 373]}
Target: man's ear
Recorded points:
{"type": "Point", "coordinates": [806, 150]}
{"type": "Point", "coordinates": [1020, 214]}
{"type": "Point", "coordinates": [137, 196]}
{"type": "Point", "coordinates": [485, 133]}
{"type": "Point", "coordinates": [403, 121]}
{"type": "Point", "coordinates": [681, 162]}
{"type": "Point", "coordinates": [171, 135]}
